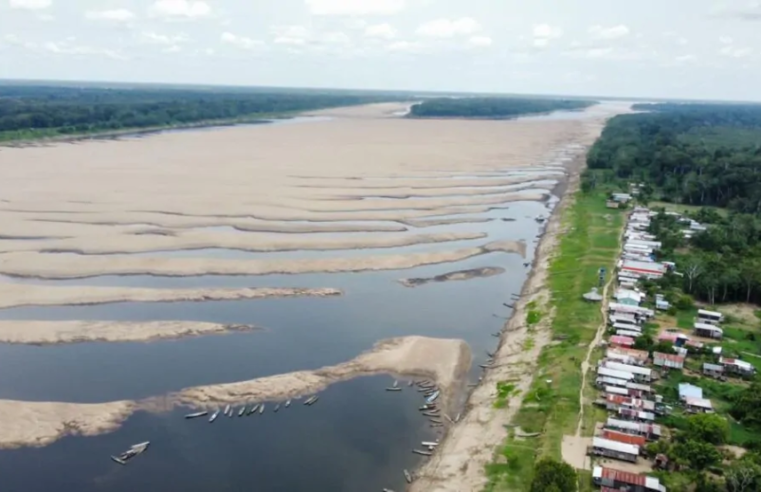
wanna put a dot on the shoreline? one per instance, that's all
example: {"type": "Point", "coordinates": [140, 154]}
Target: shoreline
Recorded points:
{"type": "Point", "coordinates": [468, 446]}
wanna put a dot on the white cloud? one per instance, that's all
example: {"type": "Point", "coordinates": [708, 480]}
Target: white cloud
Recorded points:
{"type": "Point", "coordinates": [726, 40]}
{"type": "Point", "coordinates": [384, 31]}
{"type": "Point", "coordinates": [117, 15]}
{"type": "Point", "coordinates": [480, 41]}
{"type": "Point", "coordinates": [446, 28]}
{"type": "Point", "coordinates": [544, 33]}
{"type": "Point", "coordinates": [355, 7]}
{"type": "Point", "coordinates": [163, 39]}
{"type": "Point", "coordinates": [685, 58]}
{"type": "Point", "coordinates": [291, 35]}
{"type": "Point", "coordinates": [598, 52]}
{"type": "Point", "coordinates": [336, 38]}
{"type": "Point", "coordinates": [240, 41]}
{"type": "Point", "coordinates": [404, 47]}
{"type": "Point", "coordinates": [615, 32]}
{"type": "Point", "coordinates": [66, 47]}
{"type": "Point", "coordinates": [735, 52]}
{"type": "Point", "coordinates": [179, 9]}
{"type": "Point", "coordinates": [30, 4]}
{"type": "Point", "coordinates": [290, 41]}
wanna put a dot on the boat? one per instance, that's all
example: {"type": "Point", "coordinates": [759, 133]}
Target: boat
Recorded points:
{"type": "Point", "coordinates": [253, 409]}
{"type": "Point", "coordinates": [313, 400]}
{"type": "Point", "coordinates": [430, 414]}
{"type": "Point", "coordinates": [277, 407]}
{"type": "Point", "coordinates": [214, 416]}
{"type": "Point", "coordinates": [394, 389]}
{"type": "Point", "coordinates": [118, 460]}
{"type": "Point", "coordinates": [261, 409]}
{"type": "Point", "coordinates": [407, 476]}
{"type": "Point", "coordinates": [228, 409]}
{"type": "Point", "coordinates": [433, 397]}
{"type": "Point", "coordinates": [396, 384]}
{"type": "Point", "coordinates": [430, 444]}
{"type": "Point", "coordinates": [242, 411]}
{"type": "Point", "coordinates": [310, 400]}
{"type": "Point", "coordinates": [288, 404]}
{"type": "Point", "coordinates": [133, 451]}
{"type": "Point", "coordinates": [436, 421]}
{"type": "Point", "coordinates": [422, 453]}
{"type": "Point", "coordinates": [196, 414]}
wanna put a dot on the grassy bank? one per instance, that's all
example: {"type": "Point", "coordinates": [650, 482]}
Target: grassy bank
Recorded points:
{"type": "Point", "coordinates": [590, 240]}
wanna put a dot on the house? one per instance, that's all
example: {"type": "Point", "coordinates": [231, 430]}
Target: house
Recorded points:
{"type": "Point", "coordinates": [621, 197]}
{"type": "Point", "coordinates": [644, 389]}
{"type": "Point", "coordinates": [710, 317]}
{"type": "Point", "coordinates": [624, 438]}
{"type": "Point", "coordinates": [621, 341]}
{"type": "Point", "coordinates": [642, 374]}
{"type": "Point", "coordinates": [687, 390]}
{"type": "Point", "coordinates": [622, 318]}
{"type": "Point", "coordinates": [640, 241]}
{"type": "Point", "coordinates": [616, 390]}
{"type": "Point", "coordinates": [612, 204]}
{"type": "Point", "coordinates": [670, 361]}
{"type": "Point", "coordinates": [706, 330]}
{"type": "Point", "coordinates": [628, 413]}
{"type": "Point", "coordinates": [614, 449]}
{"type": "Point", "coordinates": [614, 402]}
{"type": "Point", "coordinates": [640, 355]}
{"type": "Point", "coordinates": [604, 381]}
{"type": "Point", "coordinates": [627, 326]}
{"type": "Point", "coordinates": [713, 370]}
{"type": "Point", "coordinates": [651, 432]}
{"type": "Point", "coordinates": [737, 367]}
{"type": "Point", "coordinates": [639, 312]}
{"type": "Point", "coordinates": [644, 269]}
{"type": "Point", "coordinates": [615, 480]}
{"type": "Point", "coordinates": [698, 405]}
{"type": "Point", "coordinates": [628, 333]}
{"type": "Point", "coordinates": [612, 373]}
{"type": "Point", "coordinates": [662, 305]}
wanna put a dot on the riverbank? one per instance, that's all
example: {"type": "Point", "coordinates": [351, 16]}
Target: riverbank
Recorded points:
{"type": "Point", "coordinates": [472, 456]}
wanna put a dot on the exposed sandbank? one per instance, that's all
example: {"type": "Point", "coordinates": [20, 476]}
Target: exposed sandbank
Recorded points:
{"type": "Point", "coordinates": [17, 295]}
{"type": "Point", "coordinates": [57, 332]}
{"type": "Point", "coordinates": [187, 240]}
{"type": "Point", "coordinates": [453, 276]}
{"type": "Point", "coordinates": [57, 266]}
{"type": "Point", "coordinates": [41, 423]}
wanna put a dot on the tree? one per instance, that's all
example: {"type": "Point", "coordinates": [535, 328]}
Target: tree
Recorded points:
{"type": "Point", "coordinates": [697, 455]}
{"type": "Point", "coordinates": [707, 427]}
{"type": "Point", "coordinates": [743, 476]}
{"type": "Point", "coordinates": [692, 271]}
{"type": "Point", "coordinates": [554, 476]}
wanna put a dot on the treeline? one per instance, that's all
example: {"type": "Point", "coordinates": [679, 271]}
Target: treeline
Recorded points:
{"type": "Point", "coordinates": [491, 107]}
{"type": "Point", "coordinates": [667, 149]}
{"type": "Point", "coordinates": [26, 111]}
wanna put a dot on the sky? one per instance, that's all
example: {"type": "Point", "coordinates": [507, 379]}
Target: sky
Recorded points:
{"type": "Point", "coordinates": [694, 49]}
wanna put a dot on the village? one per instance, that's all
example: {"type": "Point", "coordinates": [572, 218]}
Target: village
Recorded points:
{"type": "Point", "coordinates": [633, 382]}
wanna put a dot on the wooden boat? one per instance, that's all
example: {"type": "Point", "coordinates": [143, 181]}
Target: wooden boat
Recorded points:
{"type": "Point", "coordinates": [288, 404]}
{"type": "Point", "coordinates": [433, 397]}
{"type": "Point", "coordinates": [253, 409]}
{"type": "Point", "coordinates": [407, 476]}
{"type": "Point", "coordinates": [430, 414]}
{"type": "Point", "coordinates": [430, 444]}
{"type": "Point", "coordinates": [118, 460]}
{"type": "Point", "coordinates": [214, 416]}
{"type": "Point", "coordinates": [228, 409]}
{"type": "Point", "coordinates": [311, 400]}
{"type": "Point", "coordinates": [422, 453]}
{"type": "Point", "coordinates": [396, 384]}
{"type": "Point", "coordinates": [393, 389]}
{"type": "Point", "coordinates": [242, 411]}
{"type": "Point", "coordinates": [196, 414]}
{"type": "Point", "coordinates": [277, 407]}
{"type": "Point", "coordinates": [261, 409]}
{"type": "Point", "coordinates": [133, 451]}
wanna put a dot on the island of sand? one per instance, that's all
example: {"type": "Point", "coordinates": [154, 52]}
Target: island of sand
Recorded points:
{"type": "Point", "coordinates": [453, 276]}
{"type": "Point", "coordinates": [444, 361]}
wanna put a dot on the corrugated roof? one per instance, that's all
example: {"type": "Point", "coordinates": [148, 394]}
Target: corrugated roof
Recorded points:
{"type": "Point", "coordinates": [619, 447]}
{"type": "Point", "coordinates": [707, 327]}
{"type": "Point", "coordinates": [712, 314]}
{"type": "Point", "coordinates": [624, 477]}
{"type": "Point", "coordinates": [604, 371]}
{"type": "Point", "coordinates": [698, 402]}
{"type": "Point", "coordinates": [712, 367]}
{"type": "Point", "coordinates": [617, 366]}
{"type": "Point", "coordinates": [621, 340]}
{"type": "Point", "coordinates": [687, 390]}
{"type": "Point", "coordinates": [623, 437]}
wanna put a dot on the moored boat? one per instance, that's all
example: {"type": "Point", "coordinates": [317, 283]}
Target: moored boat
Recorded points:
{"type": "Point", "coordinates": [196, 414]}
{"type": "Point", "coordinates": [214, 416]}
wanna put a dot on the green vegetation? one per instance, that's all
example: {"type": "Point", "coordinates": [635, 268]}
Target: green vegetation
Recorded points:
{"type": "Point", "coordinates": [35, 111]}
{"type": "Point", "coordinates": [551, 406]}
{"type": "Point", "coordinates": [491, 107]}
{"type": "Point", "coordinates": [505, 390]}
{"type": "Point", "coordinates": [553, 476]}
{"type": "Point", "coordinates": [534, 315]}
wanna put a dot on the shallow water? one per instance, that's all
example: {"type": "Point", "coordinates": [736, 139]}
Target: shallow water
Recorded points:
{"type": "Point", "coordinates": [357, 437]}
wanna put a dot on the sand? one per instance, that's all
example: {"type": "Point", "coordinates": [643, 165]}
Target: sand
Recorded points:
{"type": "Point", "coordinates": [453, 276]}
{"type": "Point", "coordinates": [469, 446]}
{"type": "Point", "coordinates": [41, 423]}
{"type": "Point", "coordinates": [57, 332]}
{"type": "Point", "coordinates": [16, 295]}
{"type": "Point", "coordinates": [61, 266]}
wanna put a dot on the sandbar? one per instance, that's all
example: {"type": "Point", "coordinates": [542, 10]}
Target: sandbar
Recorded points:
{"type": "Point", "coordinates": [59, 266]}
{"type": "Point", "coordinates": [57, 332]}
{"type": "Point", "coordinates": [17, 295]}
{"type": "Point", "coordinates": [453, 276]}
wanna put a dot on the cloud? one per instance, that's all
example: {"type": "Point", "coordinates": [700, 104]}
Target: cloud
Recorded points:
{"type": "Point", "coordinates": [446, 28]}
{"type": "Point", "coordinates": [481, 41]}
{"type": "Point", "coordinates": [405, 47]}
{"type": "Point", "coordinates": [240, 41]}
{"type": "Point", "coordinates": [180, 9]}
{"type": "Point", "coordinates": [686, 59]}
{"type": "Point", "coordinates": [294, 35]}
{"type": "Point", "coordinates": [726, 40]}
{"type": "Point", "coordinates": [30, 4]}
{"type": "Point", "coordinates": [163, 39]}
{"type": "Point", "coordinates": [544, 33]}
{"type": "Point", "coordinates": [383, 31]}
{"type": "Point", "coordinates": [615, 32]}
{"type": "Point", "coordinates": [355, 7]}
{"type": "Point", "coordinates": [336, 38]}
{"type": "Point", "coordinates": [735, 52]}
{"type": "Point", "coordinates": [117, 15]}
{"type": "Point", "coordinates": [66, 47]}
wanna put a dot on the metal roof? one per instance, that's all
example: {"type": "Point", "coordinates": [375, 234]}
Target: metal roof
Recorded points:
{"type": "Point", "coordinates": [707, 327]}
{"type": "Point", "coordinates": [624, 437]}
{"type": "Point", "coordinates": [687, 390]}
{"type": "Point", "coordinates": [712, 367]}
{"type": "Point", "coordinates": [644, 371]}
{"type": "Point", "coordinates": [612, 373]}
{"type": "Point", "coordinates": [619, 447]}
{"type": "Point", "coordinates": [622, 340]}
{"type": "Point", "coordinates": [626, 326]}
{"type": "Point", "coordinates": [712, 314]}
{"type": "Point", "coordinates": [699, 402]}
{"type": "Point", "coordinates": [628, 333]}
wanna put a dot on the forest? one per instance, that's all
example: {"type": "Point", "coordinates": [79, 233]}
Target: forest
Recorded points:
{"type": "Point", "coordinates": [491, 107]}
{"type": "Point", "coordinates": [704, 155]}
{"type": "Point", "coordinates": [29, 111]}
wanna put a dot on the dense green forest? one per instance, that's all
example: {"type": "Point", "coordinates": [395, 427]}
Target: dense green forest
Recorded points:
{"type": "Point", "coordinates": [491, 107]}
{"type": "Point", "coordinates": [704, 155]}
{"type": "Point", "coordinates": [29, 111]}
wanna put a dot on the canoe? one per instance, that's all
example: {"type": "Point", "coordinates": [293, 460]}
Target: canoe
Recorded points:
{"type": "Point", "coordinates": [277, 407]}
{"type": "Point", "coordinates": [422, 453]}
{"type": "Point", "coordinates": [288, 404]}
{"type": "Point", "coordinates": [433, 397]}
{"type": "Point", "coordinates": [261, 409]}
{"type": "Point", "coordinates": [196, 414]}
{"type": "Point", "coordinates": [242, 411]}
{"type": "Point", "coordinates": [214, 416]}
{"type": "Point", "coordinates": [407, 476]}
